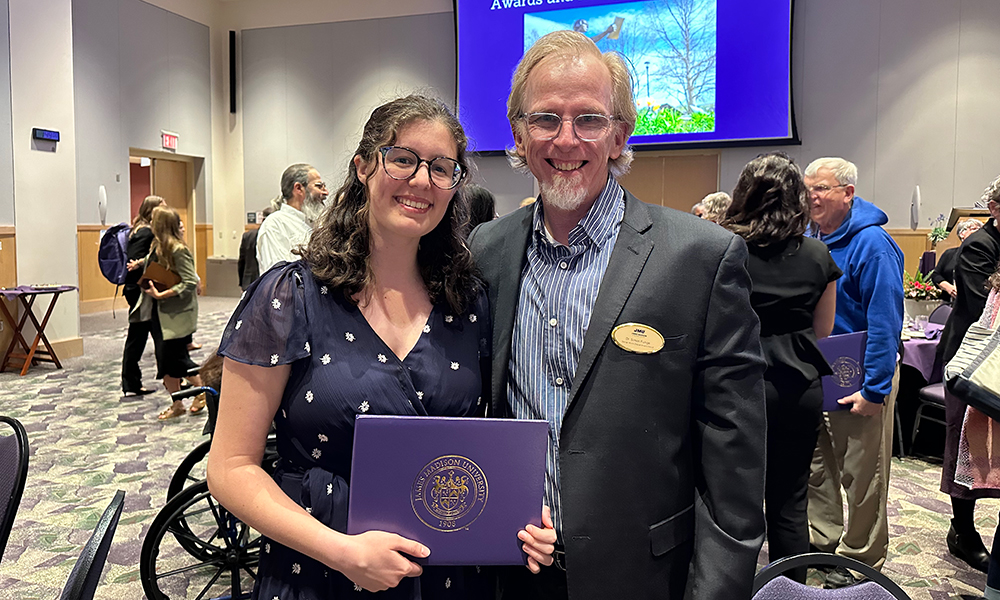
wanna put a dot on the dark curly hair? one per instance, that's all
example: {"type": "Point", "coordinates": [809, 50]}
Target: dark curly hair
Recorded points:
{"type": "Point", "coordinates": [339, 249]}
{"type": "Point", "coordinates": [770, 203]}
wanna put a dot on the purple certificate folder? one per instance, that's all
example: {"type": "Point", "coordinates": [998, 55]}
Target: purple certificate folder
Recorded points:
{"type": "Point", "coordinates": [846, 355]}
{"type": "Point", "coordinates": [462, 487]}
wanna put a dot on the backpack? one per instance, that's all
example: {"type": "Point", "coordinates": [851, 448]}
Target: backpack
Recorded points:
{"type": "Point", "coordinates": [112, 255]}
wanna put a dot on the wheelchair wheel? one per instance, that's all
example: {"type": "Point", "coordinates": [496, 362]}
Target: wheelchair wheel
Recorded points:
{"type": "Point", "coordinates": [191, 470]}
{"type": "Point", "coordinates": [195, 548]}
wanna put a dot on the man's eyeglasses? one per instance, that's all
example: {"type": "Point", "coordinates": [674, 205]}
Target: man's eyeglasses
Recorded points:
{"type": "Point", "coordinates": [544, 127]}
{"type": "Point", "coordinates": [403, 163]}
{"type": "Point", "coordinates": [320, 185]}
{"type": "Point", "coordinates": [823, 189]}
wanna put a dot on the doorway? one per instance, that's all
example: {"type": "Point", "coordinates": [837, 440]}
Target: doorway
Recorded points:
{"type": "Point", "coordinates": [173, 178]}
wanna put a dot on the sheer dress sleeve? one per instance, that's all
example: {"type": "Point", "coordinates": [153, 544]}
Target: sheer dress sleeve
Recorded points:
{"type": "Point", "coordinates": [270, 326]}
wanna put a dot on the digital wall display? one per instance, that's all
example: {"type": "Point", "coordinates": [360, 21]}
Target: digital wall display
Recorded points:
{"type": "Point", "coordinates": [705, 72]}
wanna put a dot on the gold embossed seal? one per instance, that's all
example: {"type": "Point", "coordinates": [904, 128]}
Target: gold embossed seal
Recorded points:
{"type": "Point", "coordinates": [846, 372]}
{"type": "Point", "coordinates": [449, 493]}
{"type": "Point", "coordinates": [637, 338]}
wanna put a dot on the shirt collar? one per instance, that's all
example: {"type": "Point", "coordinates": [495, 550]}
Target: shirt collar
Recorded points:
{"type": "Point", "coordinates": [286, 207]}
{"type": "Point", "coordinates": [598, 225]}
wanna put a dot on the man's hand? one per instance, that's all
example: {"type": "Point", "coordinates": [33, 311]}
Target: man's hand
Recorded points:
{"type": "Point", "coordinates": [861, 406]}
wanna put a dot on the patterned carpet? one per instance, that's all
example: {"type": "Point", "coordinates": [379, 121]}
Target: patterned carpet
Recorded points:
{"type": "Point", "coordinates": [87, 442]}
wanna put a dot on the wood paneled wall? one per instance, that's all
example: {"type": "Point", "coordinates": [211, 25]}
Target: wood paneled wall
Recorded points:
{"type": "Point", "coordinates": [8, 276]}
{"type": "Point", "coordinates": [96, 292]}
{"type": "Point", "coordinates": [673, 180]}
{"type": "Point", "coordinates": [913, 243]}
{"type": "Point", "coordinates": [204, 246]}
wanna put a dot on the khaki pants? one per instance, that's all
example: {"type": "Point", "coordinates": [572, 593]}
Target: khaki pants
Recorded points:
{"type": "Point", "coordinates": [853, 452]}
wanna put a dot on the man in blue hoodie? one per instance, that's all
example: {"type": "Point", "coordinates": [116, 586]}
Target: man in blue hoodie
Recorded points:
{"type": "Point", "coordinates": [855, 446]}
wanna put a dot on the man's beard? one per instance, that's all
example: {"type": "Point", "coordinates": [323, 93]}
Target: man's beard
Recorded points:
{"type": "Point", "coordinates": [313, 209]}
{"type": "Point", "coordinates": [563, 193]}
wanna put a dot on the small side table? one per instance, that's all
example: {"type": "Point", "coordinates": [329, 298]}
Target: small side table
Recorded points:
{"type": "Point", "coordinates": [32, 354]}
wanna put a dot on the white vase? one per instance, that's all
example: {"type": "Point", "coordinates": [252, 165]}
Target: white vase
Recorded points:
{"type": "Point", "coordinates": [914, 308]}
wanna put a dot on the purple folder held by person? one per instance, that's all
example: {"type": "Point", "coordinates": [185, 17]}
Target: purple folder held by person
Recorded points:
{"type": "Point", "coordinates": [846, 355]}
{"type": "Point", "coordinates": [462, 487]}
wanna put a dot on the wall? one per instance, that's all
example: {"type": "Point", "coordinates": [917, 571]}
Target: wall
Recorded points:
{"type": "Point", "coordinates": [6, 150]}
{"type": "Point", "coordinates": [305, 99]}
{"type": "Point", "coordinates": [906, 89]}
{"type": "Point", "coordinates": [45, 176]}
{"type": "Point", "coordinates": [138, 69]}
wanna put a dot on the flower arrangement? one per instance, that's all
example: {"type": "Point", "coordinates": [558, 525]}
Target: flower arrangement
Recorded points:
{"type": "Point", "coordinates": [920, 287]}
{"type": "Point", "coordinates": [938, 230]}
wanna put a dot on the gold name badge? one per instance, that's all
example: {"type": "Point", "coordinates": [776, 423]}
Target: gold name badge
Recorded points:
{"type": "Point", "coordinates": [638, 338]}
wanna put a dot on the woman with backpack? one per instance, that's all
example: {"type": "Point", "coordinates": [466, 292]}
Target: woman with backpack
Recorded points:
{"type": "Point", "coordinates": [139, 241]}
{"type": "Point", "coordinates": [176, 307]}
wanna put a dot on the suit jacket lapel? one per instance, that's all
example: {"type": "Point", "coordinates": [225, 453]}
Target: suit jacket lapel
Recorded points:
{"type": "Point", "coordinates": [507, 280]}
{"type": "Point", "coordinates": [628, 257]}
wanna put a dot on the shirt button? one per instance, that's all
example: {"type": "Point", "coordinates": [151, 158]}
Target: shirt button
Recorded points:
{"type": "Point", "coordinates": [553, 322]}
{"type": "Point", "coordinates": [564, 265]}
{"type": "Point", "coordinates": [559, 380]}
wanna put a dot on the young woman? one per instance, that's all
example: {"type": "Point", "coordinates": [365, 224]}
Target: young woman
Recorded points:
{"type": "Point", "coordinates": [794, 295]}
{"type": "Point", "coordinates": [383, 315]}
{"type": "Point", "coordinates": [139, 327]}
{"type": "Point", "coordinates": [176, 310]}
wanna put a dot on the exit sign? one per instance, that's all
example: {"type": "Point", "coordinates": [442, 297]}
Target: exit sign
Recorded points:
{"type": "Point", "coordinates": [169, 140]}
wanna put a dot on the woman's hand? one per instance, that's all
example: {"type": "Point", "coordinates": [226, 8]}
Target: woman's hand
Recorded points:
{"type": "Point", "coordinates": [135, 264]}
{"type": "Point", "coordinates": [539, 542]}
{"type": "Point", "coordinates": [155, 293]}
{"type": "Point", "coordinates": [374, 560]}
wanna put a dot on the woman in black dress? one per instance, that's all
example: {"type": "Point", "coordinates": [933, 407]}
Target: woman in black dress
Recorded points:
{"type": "Point", "coordinates": [383, 315]}
{"type": "Point", "coordinates": [794, 295]}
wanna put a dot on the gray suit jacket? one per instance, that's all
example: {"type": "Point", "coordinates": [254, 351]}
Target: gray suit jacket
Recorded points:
{"type": "Point", "coordinates": [662, 455]}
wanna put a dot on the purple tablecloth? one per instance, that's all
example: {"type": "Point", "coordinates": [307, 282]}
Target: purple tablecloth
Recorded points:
{"type": "Point", "coordinates": [11, 293]}
{"type": "Point", "coordinates": [919, 353]}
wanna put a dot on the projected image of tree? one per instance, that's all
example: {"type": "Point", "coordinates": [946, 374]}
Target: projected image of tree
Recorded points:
{"type": "Point", "coordinates": [669, 46]}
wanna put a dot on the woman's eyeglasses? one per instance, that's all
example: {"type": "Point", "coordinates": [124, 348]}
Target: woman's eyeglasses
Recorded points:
{"type": "Point", "coordinates": [402, 163]}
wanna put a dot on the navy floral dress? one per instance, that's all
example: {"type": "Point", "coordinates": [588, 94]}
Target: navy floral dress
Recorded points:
{"type": "Point", "coordinates": [341, 368]}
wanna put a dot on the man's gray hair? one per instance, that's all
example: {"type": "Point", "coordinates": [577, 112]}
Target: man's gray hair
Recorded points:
{"type": "Point", "coordinates": [297, 173]}
{"type": "Point", "coordinates": [844, 171]}
{"type": "Point", "coordinates": [991, 193]}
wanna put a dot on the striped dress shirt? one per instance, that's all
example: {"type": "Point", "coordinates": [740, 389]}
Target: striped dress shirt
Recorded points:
{"type": "Point", "coordinates": [559, 286]}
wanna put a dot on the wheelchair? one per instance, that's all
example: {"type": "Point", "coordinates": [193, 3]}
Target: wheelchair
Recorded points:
{"type": "Point", "coordinates": [195, 548]}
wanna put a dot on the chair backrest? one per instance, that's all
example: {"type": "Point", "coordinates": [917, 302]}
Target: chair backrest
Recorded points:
{"type": "Point", "coordinates": [82, 582]}
{"type": "Point", "coordinates": [940, 314]}
{"type": "Point", "coordinates": [927, 262]}
{"type": "Point", "coordinates": [877, 588]}
{"type": "Point", "coordinates": [13, 472]}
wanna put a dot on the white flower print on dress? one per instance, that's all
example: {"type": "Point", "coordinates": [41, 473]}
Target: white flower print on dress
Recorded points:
{"type": "Point", "coordinates": [349, 336]}
{"type": "Point", "coordinates": [448, 318]}
{"type": "Point", "coordinates": [329, 489]}
{"type": "Point", "coordinates": [420, 395]}
{"type": "Point", "coordinates": [284, 415]}
{"type": "Point", "coordinates": [427, 328]}
{"type": "Point", "coordinates": [357, 588]}
{"type": "Point", "coordinates": [267, 548]}
{"type": "Point", "coordinates": [325, 360]}
{"type": "Point", "coordinates": [307, 347]}
{"type": "Point", "coordinates": [447, 583]}
{"type": "Point", "coordinates": [473, 318]}
{"type": "Point", "coordinates": [276, 304]}
{"type": "Point", "coordinates": [296, 568]}
{"type": "Point", "coordinates": [323, 438]}
{"type": "Point", "coordinates": [239, 323]}
{"type": "Point", "coordinates": [364, 406]}
{"type": "Point", "coordinates": [274, 359]}
{"type": "Point", "coordinates": [316, 453]}
{"type": "Point", "coordinates": [309, 510]}
{"type": "Point", "coordinates": [454, 366]}
{"type": "Point", "coordinates": [382, 359]}
{"type": "Point", "coordinates": [323, 289]}
{"type": "Point", "coordinates": [309, 396]}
